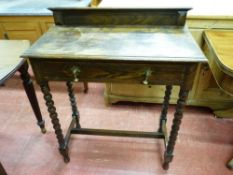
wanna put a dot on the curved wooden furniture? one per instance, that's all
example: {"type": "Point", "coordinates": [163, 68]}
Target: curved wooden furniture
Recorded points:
{"type": "Point", "coordinates": [218, 48]}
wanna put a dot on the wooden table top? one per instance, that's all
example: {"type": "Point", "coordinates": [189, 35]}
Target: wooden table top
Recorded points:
{"type": "Point", "coordinates": [10, 60]}
{"type": "Point", "coordinates": [131, 43]}
{"type": "Point", "coordinates": [221, 42]}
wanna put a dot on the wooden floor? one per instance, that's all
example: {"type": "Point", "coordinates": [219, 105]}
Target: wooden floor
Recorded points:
{"type": "Point", "coordinates": [204, 145]}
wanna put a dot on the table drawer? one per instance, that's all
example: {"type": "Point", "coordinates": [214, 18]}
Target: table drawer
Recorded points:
{"type": "Point", "coordinates": [159, 73]}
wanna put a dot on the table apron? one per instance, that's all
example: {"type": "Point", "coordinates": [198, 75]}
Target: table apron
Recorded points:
{"type": "Point", "coordinates": [116, 72]}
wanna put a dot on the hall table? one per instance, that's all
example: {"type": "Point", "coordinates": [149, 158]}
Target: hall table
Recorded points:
{"type": "Point", "coordinates": [218, 48]}
{"type": "Point", "coordinates": [138, 46]}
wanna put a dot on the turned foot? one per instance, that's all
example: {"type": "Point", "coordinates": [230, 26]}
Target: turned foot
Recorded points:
{"type": "Point", "coordinates": [165, 165]}
{"type": "Point", "coordinates": [65, 154]}
{"type": "Point", "coordinates": [66, 159]}
{"type": "Point", "coordinates": [230, 165]}
{"type": "Point", "coordinates": [43, 130]}
{"type": "Point", "coordinates": [42, 126]}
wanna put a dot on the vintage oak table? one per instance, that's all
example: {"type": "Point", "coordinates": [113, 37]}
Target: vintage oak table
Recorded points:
{"type": "Point", "coordinates": [10, 62]}
{"type": "Point", "coordinates": [145, 46]}
{"type": "Point", "coordinates": [218, 48]}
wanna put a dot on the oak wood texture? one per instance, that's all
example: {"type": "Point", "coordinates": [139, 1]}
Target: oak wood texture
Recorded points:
{"type": "Point", "coordinates": [84, 48]}
{"type": "Point", "coordinates": [111, 45]}
{"type": "Point", "coordinates": [95, 3]}
{"type": "Point", "coordinates": [106, 16]}
{"type": "Point", "coordinates": [218, 48]}
{"type": "Point", "coordinates": [118, 43]}
{"type": "Point", "coordinates": [121, 71]}
{"type": "Point", "coordinates": [22, 28]}
{"type": "Point", "coordinates": [221, 43]}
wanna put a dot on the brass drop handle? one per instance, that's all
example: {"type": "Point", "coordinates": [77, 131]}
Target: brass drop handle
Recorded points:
{"type": "Point", "coordinates": [147, 75]}
{"type": "Point", "coordinates": [75, 70]}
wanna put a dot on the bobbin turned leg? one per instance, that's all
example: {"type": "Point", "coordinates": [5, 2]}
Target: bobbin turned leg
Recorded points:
{"type": "Point", "coordinates": [30, 91]}
{"type": "Point", "coordinates": [168, 155]}
{"type": "Point", "coordinates": [163, 116]}
{"type": "Point", "coordinates": [55, 121]}
{"type": "Point", "coordinates": [85, 84]}
{"type": "Point", "coordinates": [75, 112]}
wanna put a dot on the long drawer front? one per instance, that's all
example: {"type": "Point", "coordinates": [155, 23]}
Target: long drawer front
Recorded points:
{"type": "Point", "coordinates": [116, 72]}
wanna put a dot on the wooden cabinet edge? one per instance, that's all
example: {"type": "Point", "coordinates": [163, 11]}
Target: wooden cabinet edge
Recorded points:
{"type": "Point", "coordinates": [39, 23]}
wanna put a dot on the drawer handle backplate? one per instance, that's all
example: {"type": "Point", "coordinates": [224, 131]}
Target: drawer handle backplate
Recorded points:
{"type": "Point", "coordinates": [76, 71]}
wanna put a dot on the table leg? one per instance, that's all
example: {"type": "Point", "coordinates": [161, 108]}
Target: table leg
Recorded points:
{"type": "Point", "coordinates": [230, 164]}
{"type": "Point", "coordinates": [30, 91]}
{"type": "Point", "coordinates": [85, 87]}
{"type": "Point", "coordinates": [168, 155]}
{"type": "Point", "coordinates": [75, 112]}
{"type": "Point", "coordinates": [55, 121]}
{"type": "Point", "coordinates": [2, 170]}
{"type": "Point", "coordinates": [163, 116]}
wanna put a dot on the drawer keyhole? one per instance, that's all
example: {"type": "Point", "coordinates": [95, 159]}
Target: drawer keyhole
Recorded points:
{"type": "Point", "coordinates": [147, 75]}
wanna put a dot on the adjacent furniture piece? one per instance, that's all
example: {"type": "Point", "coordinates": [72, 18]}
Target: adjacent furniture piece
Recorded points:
{"type": "Point", "coordinates": [10, 62]}
{"type": "Point", "coordinates": [2, 170]}
{"type": "Point", "coordinates": [29, 19]}
{"type": "Point", "coordinates": [136, 46]}
{"type": "Point", "coordinates": [205, 91]}
{"type": "Point", "coordinates": [218, 48]}
{"type": "Point", "coordinates": [95, 3]}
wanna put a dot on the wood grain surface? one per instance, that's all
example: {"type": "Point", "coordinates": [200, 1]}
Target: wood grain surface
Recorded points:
{"type": "Point", "coordinates": [221, 42]}
{"type": "Point", "coordinates": [218, 49]}
{"type": "Point", "coordinates": [120, 16]}
{"type": "Point", "coordinates": [173, 44]}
